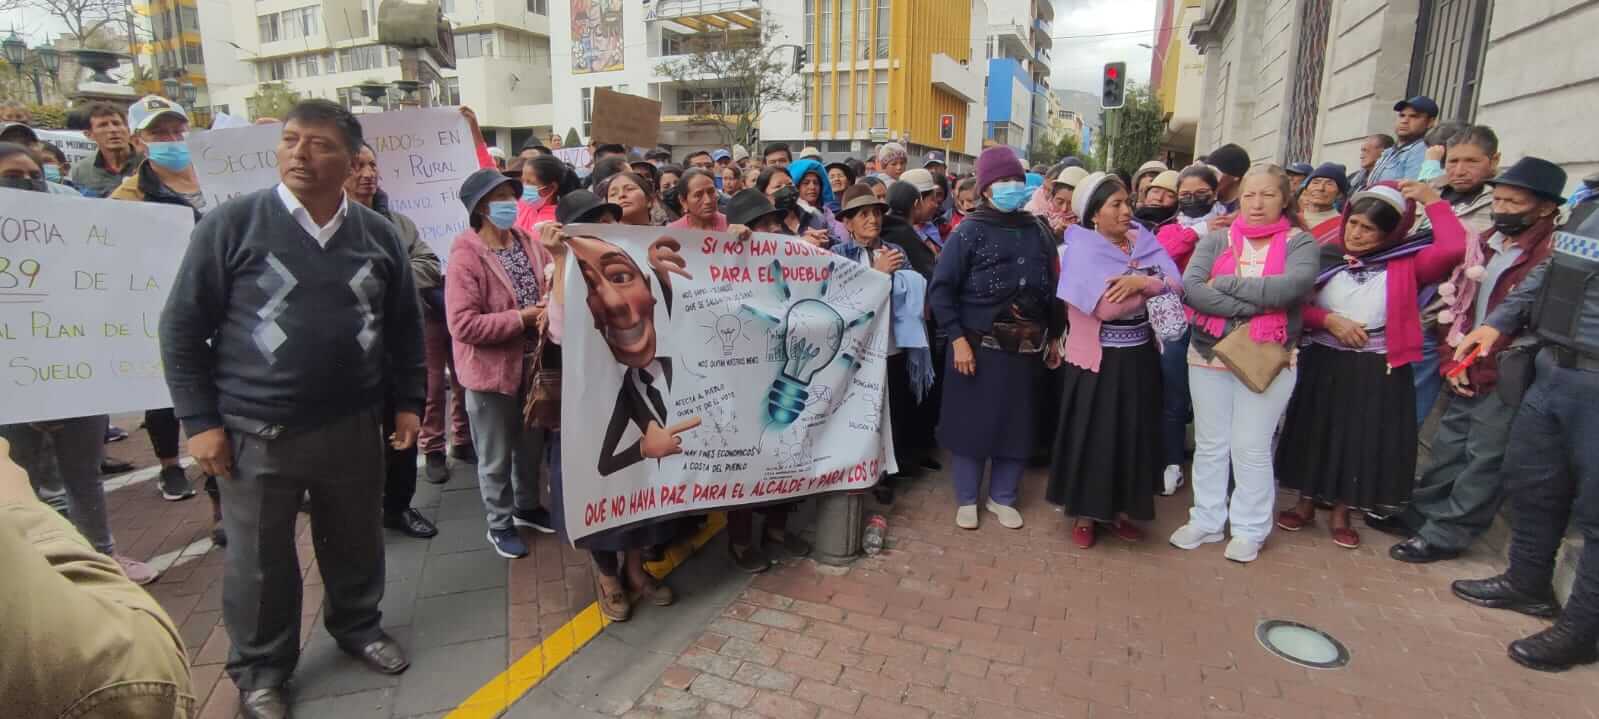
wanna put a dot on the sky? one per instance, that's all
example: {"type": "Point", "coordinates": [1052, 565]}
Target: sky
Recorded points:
{"type": "Point", "coordinates": [1078, 61]}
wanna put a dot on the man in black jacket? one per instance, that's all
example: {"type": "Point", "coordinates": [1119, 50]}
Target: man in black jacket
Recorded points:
{"type": "Point", "coordinates": [292, 323]}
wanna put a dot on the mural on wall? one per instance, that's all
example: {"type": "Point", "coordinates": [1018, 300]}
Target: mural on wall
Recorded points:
{"type": "Point", "coordinates": [596, 36]}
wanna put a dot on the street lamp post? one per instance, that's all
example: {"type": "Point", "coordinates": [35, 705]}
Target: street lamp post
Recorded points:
{"type": "Point", "coordinates": [45, 60]}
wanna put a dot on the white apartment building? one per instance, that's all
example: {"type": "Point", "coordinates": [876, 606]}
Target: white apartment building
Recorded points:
{"type": "Point", "coordinates": [326, 48]}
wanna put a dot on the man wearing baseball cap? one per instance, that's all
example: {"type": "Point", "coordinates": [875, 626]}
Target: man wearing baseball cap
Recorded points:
{"type": "Point", "coordinates": [1403, 161]}
{"type": "Point", "coordinates": [165, 175]}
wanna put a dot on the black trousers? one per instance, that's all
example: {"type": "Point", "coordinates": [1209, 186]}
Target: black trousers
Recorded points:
{"type": "Point", "coordinates": [1551, 471]}
{"type": "Point", "coordinates": [340, 464]}
{"type": "Point", "coordinates": [399, 472]}
{"type": "Point", "coordinates": [162, 424]}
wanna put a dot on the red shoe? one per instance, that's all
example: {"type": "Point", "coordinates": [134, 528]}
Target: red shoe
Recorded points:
{"type": "Point", "coordinates": [1083, 535]}
{"type": "Point", "coordinates": [1291, 521]}
{"type": "Point", "coordinates": [1126, 531]}
{"type": "Point", "coordinates": [1346, 538]}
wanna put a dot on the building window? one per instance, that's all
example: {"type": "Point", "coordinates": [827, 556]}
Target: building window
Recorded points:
{"type": "Point", "coordinates": [711, 101]}
{"type": "Point", "coordinates": [449, 91]}
{"type": "Point", "coordinates": [308, 66]}
{"type": "Point", "coordinates": [190, 17]}
{"type": "Point", "coordinates": [883, 22]}
{"type": "Point", "coordinates": [474, 44]}
{"type": "Point", "coordinates": [588, 110]}
{"type": "Point", "coordinates": [538, 7]}
{"type": "Point", "coordinates": [827, 102]}
{"type": "Point", "coordinates": [862, 99]}
{"type": "Point", "coordinates": [673, 43]}
{"type": "Point", "coordinates": [810, 28]}
{"type": "Point", "coordinates": [810, 105]}
{"type": "Point", "coordinates": [267, 25]}
{"type": "Point", "coordinates": [192, 55]}
{"type": "Point", "coordinates": [1451, 39]}
{"type": "Point", "coordinates": [880, 101]}
{"type": "Point", "coordinates": [863, 29]}
{"type": "Point", "coordinates": [846, 35]}
{"type": "Point", "coordinates": [365, 57]}
{"type": "Point", "coordinates": [824, 42]}
{"type": "Point", "coordinates": [274, 70]}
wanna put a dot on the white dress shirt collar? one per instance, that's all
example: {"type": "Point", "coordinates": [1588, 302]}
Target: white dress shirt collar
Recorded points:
{"type": "Point", "coordinates": [301, 215]}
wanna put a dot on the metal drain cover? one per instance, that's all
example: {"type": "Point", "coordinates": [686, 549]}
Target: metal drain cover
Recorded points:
{"type": "Point", "coordinates": [1301, 644]}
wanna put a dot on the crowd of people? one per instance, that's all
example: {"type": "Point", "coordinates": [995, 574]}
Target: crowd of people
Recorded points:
{"type": "Point", "coordinates": [1304, 320]}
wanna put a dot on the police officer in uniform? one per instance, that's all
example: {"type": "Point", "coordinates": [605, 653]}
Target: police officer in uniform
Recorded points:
{"type": "Point", "coordinates": [1552, 463]}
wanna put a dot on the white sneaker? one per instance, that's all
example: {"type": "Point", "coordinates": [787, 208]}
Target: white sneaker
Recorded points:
{"type": "Point", "coordinates": [1173, 480]}
{"type": "Point", "coordinates": [1009, 518]}
{"type": "Point", "coordinates": [1189, 536]}
{"type": "Point", "coordinates": [966, 516]}
{"type": "Point", "coordinates": [1242, 550]}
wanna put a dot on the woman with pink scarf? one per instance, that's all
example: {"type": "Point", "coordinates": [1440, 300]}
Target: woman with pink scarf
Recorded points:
{"type": "Point", "coordinates": [1251, 277]}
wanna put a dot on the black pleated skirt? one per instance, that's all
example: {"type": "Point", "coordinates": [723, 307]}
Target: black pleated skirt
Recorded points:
{"type": "Point", "coordinates": [1350, 430]}
{"type": "Point", "coordinates": [1107, 453]}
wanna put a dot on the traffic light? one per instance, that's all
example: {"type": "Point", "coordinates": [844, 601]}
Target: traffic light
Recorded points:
{"type": "Point", "coordinates": [1115, 94]}
{"type": "Point", "coordinates": [946, 127]}
{"type": "Point", "coordinates": [800, 58]}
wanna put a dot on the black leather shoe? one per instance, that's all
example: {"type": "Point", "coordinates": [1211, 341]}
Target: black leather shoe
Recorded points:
{"type": "Point", "coordinates": [1555, 649]}
{"type": "Point", "coordinates": [411, 523]}
{"type": "Point", "coordinates": [1394, 525]}
{"type": "Point", "coordinates": [115, 466]}
{"type": "Point", "coordinates": [264, 704]}
{"type": "Point", "coordinates": [1419, 551]}
{"type": "Point", "coordinates": [383, 656]}
{"type": "Point", "coordinates": [465, 453]}
{"type": "Point", "coordinates": [438, 470]}
{"type": "Point", "coordinates": [1498, 593]}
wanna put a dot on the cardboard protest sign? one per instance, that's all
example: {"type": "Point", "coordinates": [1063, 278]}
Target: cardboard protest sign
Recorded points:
{"type": "Point", "coordinates": [82, 284]}
{"type": "Point", "coordinates": [423, 156]}
{"type": "Point", "coordinates": [628, 120]}
{"type": "Point", "coordinates": [721, 373]}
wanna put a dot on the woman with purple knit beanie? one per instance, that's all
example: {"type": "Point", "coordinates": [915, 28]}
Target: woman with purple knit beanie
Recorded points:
{"type": "Point", "coordinates": [993, 295]}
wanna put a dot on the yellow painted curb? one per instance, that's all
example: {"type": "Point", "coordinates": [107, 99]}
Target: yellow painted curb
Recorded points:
{"type": "Point", "coordinates": [525, 673]}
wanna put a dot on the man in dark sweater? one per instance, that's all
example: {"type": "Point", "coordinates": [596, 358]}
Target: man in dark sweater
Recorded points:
{"type": "Point", "coordinates": [293, 321]}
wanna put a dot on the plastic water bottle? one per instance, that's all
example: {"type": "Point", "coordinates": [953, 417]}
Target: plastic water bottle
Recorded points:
{"type": "Point", "coordinates": [876, 532]}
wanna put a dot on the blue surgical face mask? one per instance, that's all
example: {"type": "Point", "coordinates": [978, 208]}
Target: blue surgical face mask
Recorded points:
{"type": "Point", "coordinates": [530, 193]}
{"type": "Point", "coordinates": [172, 156]}
{"type": "Point", "coordinates": [52, 173]}
{"type": "Point", "coordinates": [503, 213]}
{"type": "Point", "coordinates": [1009, 196]}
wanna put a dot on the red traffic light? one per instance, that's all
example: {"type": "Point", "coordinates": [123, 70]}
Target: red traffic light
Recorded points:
{"type": "Point", "coordinates": [1110, 71]}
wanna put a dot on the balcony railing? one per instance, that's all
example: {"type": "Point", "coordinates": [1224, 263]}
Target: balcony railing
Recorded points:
{"type": "Point", "coordinates": [673, 9]}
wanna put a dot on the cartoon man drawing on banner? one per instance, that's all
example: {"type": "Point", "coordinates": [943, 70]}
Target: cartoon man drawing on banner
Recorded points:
{"type": "Point", "coordinates": [623, 305]}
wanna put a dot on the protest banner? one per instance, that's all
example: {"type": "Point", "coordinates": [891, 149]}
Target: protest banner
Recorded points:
{"type": "Point", "coordinates": [75, 145]}
{"type": "Point", "coordinates": [628, 120]}
{"type": "Point", "coordinates": [82, 284]}
{"type": "Point", "coordinates": [721, 373]}
{"type": "Point", "coordinates": [575, 156]}
{"type": "Point", "coordinates": [423, 156]}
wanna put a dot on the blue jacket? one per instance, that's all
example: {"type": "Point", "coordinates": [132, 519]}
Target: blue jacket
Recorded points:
{"type": "Point", "coordinates": [1399, 163]}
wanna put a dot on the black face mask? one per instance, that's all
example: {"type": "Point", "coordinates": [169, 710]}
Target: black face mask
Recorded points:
{"type": "Point", "coordinates": [31, 184]}
{"type": "Point", "coordinates": [1154, 214]}
{"type": "Point", "coordinates": [1511, 224]}
{"type": "Point", "coordinates": [786, 199]}
{"type": "Point", "coordinates": [1196, 206]}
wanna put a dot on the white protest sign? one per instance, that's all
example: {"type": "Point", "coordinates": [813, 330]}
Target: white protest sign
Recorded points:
{"type": "Point", "coordinates": [575, 156]}
{"type": "Point", "coordinates": [82, 284]}
{"type": "Point", "coordinates": [726, 373]}
{"type": "Point", "coordinates": [73, 144]}
{"type": "Point", "coordinates": [423, 157]}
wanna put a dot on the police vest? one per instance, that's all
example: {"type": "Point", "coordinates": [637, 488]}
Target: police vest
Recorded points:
{"type": "Point", "coordinates": [1562, 300]}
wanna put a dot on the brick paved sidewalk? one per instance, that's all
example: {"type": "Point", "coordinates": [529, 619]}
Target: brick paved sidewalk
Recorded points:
{"type": "Point", "coordinates": [997, 623]}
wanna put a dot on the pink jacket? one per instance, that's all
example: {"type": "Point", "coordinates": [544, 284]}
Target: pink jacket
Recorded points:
{"type": "Point", "coordinates": [481, 309]}
{"type": "Point", "coordinates": [1179, 242]}
{"type": "Point", "coordinates": [1406, 275]}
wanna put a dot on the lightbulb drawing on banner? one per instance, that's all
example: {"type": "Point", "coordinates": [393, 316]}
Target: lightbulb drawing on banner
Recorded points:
{"type": "Point", "coordinates": [727, 328]}
{"type": "Point", "coordinates": [810, 334]}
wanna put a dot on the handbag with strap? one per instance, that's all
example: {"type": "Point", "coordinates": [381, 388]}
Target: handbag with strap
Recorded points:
{"type": "Point", "coordinates": [1255, 364]}
{"type": "Point", "coordinates": [541, 406]}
